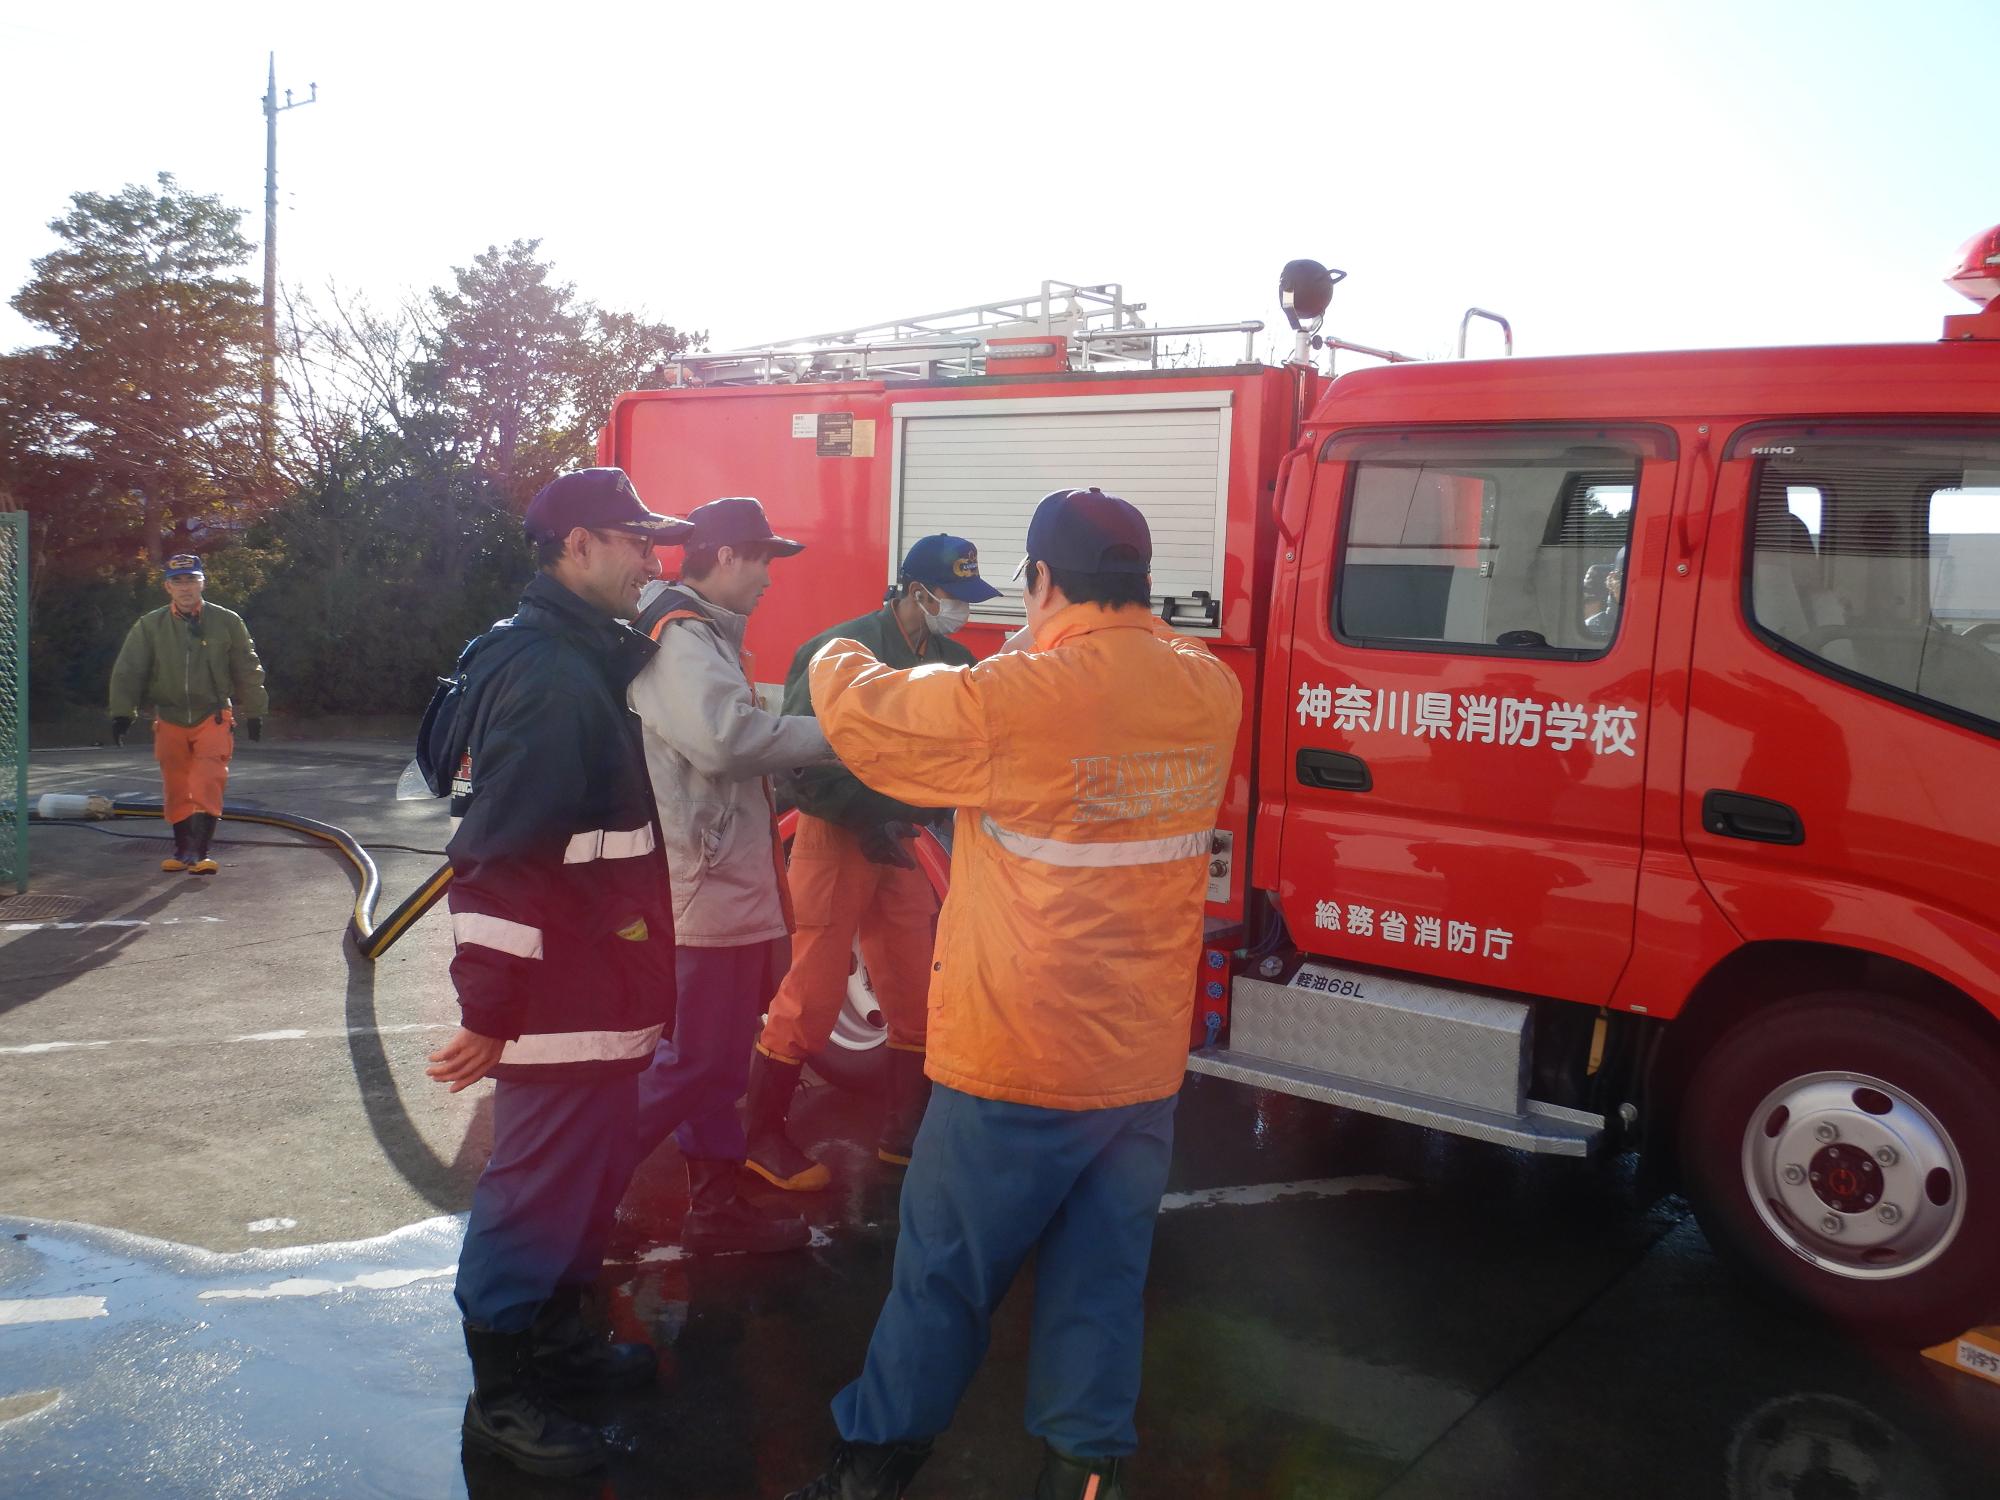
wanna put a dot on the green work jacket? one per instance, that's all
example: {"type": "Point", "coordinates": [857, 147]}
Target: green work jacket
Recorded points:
{"type": "Point", "coordinates": [187, 669]}
{"type": "Point", "coordinates": [832, 792]}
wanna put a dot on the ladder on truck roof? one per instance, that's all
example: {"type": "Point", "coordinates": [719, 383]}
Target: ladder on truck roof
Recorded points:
{"type": "Point", "coordinates": [1096, 323]}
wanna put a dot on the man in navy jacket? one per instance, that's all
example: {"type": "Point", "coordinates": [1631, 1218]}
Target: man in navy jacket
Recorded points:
{"type": "Point", "coordinates": [562, 915]}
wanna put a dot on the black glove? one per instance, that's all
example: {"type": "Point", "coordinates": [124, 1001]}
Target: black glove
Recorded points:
{"type": "Point", "coordinates": [254, 728]}
{"type": "Point", "coordinates": [118, 727]}
{"type": "Point", "coordinates": [885, 844]}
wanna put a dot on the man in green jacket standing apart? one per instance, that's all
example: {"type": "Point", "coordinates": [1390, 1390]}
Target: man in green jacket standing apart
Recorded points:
{"type": "Point", "coordinates": [194, 665]}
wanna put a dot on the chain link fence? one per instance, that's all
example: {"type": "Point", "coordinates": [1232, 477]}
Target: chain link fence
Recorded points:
{"type": "Point", "coordinates": [14, 699]}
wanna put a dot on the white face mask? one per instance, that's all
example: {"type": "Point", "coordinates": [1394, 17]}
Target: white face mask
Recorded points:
{"type": "Point", "coordinates": [951, 616]}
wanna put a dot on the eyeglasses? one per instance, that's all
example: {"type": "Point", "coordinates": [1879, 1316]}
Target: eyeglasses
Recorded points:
{"type": "Point", "coordinates": [640, 546]}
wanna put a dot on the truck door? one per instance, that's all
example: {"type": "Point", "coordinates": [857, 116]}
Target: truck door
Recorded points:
{"type": "Point", "coordinates": [1841, 730]}
{"type": "Point", "coordinates": [1466, 701]}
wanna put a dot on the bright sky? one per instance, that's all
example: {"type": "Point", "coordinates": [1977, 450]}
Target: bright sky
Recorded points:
{"type": "Point", "coordinates": [1614, 174]}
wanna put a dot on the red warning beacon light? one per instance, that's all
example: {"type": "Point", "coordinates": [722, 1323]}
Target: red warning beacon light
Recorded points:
{"type": "Point", "coordinates": [1977, 275]}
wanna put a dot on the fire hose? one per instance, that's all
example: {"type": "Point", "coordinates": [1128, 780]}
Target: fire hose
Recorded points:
{"type": "Point", "coordinates": [371, 938]}
{"type": "Point", "coordinates": [374, 938]}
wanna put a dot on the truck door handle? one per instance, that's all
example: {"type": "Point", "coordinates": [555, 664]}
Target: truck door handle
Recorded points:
{"type": "Point", "coordinates": [1738, 815]}
{"type": "Point", "coordinates": [1334, 771]}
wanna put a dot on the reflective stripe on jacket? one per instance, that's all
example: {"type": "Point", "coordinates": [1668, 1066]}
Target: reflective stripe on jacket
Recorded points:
{"type": "Point", "coordinates": [186, 668]}
{"type": "Point", "coordinates": [561, 913]}
{"type": "Point", "coordinates": [1087, 773]}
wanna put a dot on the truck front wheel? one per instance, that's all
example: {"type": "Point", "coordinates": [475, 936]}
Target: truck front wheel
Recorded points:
{"type": "Point", "coordinates": [1846, 1148]}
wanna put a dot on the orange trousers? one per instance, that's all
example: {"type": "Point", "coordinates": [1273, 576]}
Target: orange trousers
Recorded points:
{"type": "Point", "coordinates": [838, 894]}
{"type": "Point", "coordinates": [194, 764]}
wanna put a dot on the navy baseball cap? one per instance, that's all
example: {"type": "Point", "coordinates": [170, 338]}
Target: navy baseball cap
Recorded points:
{"type": "Point", "coordinates": [947, 565]}
{"type": "Point", "coordinates": [1075, 529]}
{"type": "Point", "coordinates": [736, 521]}
{"type": "Point", "coordinates": [598, 500]}
{"type": "Point", "coordinates": [184, 565]}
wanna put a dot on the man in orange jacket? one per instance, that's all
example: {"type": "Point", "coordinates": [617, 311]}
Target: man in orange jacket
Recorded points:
{"type": "Point", "coordinates": [1086, 772]}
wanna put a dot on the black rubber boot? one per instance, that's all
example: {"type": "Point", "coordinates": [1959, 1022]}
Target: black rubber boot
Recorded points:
{"type": "Point", "coordinates": [570, 1355]}
{"type": "Point", "coordinates": [180, 859]}
{"type": "Point", "coordinates": [909, 1096]}
{"type": "Point", "coordinates": [506, 1417]}
{"type": "Point", "coordinates": [867, 1471]}
{"type": "Point", "coordinates": [772, 1156]}
{"type": "Point", "coordinates": [1066, 1478]}
{"type": "Point", "coordinates": [201, 828]}
{"type": "Point", "coordinates": [719, 1221]}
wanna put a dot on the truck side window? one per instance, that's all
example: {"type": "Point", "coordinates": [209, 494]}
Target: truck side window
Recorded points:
{"type": "Point", "coordinates": [1502, 542]}
{"type": "Point", "coordinates": [1876, 552]}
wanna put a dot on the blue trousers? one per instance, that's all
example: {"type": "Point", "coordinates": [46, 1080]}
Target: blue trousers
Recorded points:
{"type": "Point", "coordinates": [562, 1158]}
{"type": "Point", "coordinates": [989, 1182]}
{"type": "Point", "coordinates": [697, 1075]}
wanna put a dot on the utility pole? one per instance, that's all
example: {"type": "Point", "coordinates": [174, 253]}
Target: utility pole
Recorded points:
{"type": "Point", "coordinates": [267, 412]}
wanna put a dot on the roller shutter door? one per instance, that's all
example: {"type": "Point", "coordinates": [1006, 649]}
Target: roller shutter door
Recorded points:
{"type": "Point", "coordinates": [978, 468]}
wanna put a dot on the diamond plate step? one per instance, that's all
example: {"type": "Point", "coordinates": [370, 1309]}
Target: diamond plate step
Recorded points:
{"type": "Point", "coordinates": [1465, 1047]}
{"type": "Point", "coordinates": [1547, 1129]}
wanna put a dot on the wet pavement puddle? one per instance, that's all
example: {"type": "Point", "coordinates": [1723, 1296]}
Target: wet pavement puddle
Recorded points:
{"type": "Point", "coordinates": [1414, 1319]}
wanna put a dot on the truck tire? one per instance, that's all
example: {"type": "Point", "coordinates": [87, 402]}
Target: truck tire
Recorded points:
{"type": "Point", "coordinates": [1845, 1148]}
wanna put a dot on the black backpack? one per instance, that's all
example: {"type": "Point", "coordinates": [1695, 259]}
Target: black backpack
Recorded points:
{"type": "Point", "coordinates": [444, 738]}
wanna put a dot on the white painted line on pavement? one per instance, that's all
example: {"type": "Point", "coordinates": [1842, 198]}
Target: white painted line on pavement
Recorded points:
{"type": "Point", "coordinates": [50, 1310]}
{"type": "Point", "coordinates": [1274, 1192]}
{"type": "Point", "coordinates": [301, 1034]}
{"type": "Point", "coordinates": [100, 922]}
{"type": "Point", "coordinates": [313, 1286]}
{"type": "Point", "coordinates": [295, 1034]}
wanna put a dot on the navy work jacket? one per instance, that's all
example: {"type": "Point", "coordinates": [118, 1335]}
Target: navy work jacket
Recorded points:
{"type": "Point", "coordinates": [560, 904]}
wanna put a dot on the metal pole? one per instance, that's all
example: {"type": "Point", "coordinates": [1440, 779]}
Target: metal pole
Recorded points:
{"type": "Point", "coordinates": [268, 408]}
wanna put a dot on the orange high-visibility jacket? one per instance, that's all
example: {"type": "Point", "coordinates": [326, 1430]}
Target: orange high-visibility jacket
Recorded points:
{"type": "Point", "coordinates": [1086, 773]}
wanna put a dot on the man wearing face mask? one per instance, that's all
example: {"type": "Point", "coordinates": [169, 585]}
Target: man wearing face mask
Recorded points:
{"type": "Point", "coordinates": [852, 875]}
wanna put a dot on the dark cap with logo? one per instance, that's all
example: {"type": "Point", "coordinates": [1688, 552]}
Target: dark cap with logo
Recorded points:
{"type": "Point", "coordinates": [184, 565]}
{"type": "Point", "coordinates": [737, 521]}
{"type": "Point", "coordinates": [597, 500]}
{"type": "Point", "coordinates": [947, 565]}
{"type": "Point", "coordinates": [1088, 531]}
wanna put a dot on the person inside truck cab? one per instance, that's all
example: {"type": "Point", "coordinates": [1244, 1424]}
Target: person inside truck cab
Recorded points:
{"type": "Point", "coordinates": [1604, 624]}
{"type": "Point", "coordinates": [1593, 588]}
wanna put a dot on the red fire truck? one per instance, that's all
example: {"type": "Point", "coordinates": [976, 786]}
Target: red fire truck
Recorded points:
{"type": "Point", "coordinates": [1619, 760]}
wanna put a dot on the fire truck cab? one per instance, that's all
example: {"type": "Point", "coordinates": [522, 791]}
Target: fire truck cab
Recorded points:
{"type": "Point", "coordinates": [1619, 737]}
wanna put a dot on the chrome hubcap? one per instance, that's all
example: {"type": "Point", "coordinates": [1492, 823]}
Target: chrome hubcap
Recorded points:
{"type": "Point", "coordinates": [1854, 1175]}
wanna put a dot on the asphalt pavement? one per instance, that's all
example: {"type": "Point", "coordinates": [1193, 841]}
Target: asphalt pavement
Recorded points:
{"type": "Point", "coordinates": [230, 1206]}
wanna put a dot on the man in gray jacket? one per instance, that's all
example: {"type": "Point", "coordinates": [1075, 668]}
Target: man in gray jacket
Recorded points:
{"type": "Point", "coordinates": [711, 752]}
